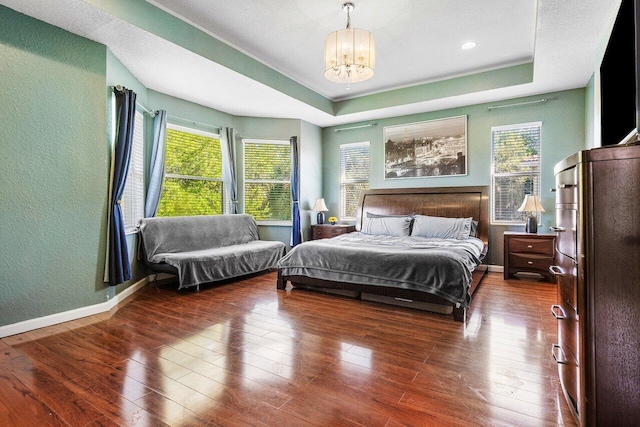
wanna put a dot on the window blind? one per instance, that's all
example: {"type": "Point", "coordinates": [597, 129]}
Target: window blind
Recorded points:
{"type": "Point", "coordinates": [515, 169]}
{"type": "Point", "coordinates": [354, 176]}
{"type": "Point", "coordinates": [193, 182]}
{"type": "Point", "coordinates": [133, 196]}
{"type": "Point", "coordinates": [267, 180]}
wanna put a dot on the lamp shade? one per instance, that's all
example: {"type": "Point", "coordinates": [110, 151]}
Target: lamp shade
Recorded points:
{"type": "Point", "coordinates": [531, 203]}
{"type": "Point", "coordinates": [320, 206]}
{"type": "Point", "coordinates": [349, 56]}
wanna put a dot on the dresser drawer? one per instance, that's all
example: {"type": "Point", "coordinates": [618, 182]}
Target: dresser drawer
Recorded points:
{"type": "Point", "coordinates": [568, 327]}
{"type": "Point", "coordinates": [534, 246]}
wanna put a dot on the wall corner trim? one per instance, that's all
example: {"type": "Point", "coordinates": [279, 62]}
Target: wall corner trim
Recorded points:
{"type": "Point", "coordinates": [66, 316]}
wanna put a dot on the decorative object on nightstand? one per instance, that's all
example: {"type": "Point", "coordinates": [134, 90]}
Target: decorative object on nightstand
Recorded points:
{"type": "Point", "coordinates": [529, 253]}
{"type": "Point", "coordinates": [333, 220]}
{"type": "Point", "coordinates": [321, 208]}
{"type": "Point", "coordinates": [532, 205]}
{"type": "Point", "coordinates": [326, 231]}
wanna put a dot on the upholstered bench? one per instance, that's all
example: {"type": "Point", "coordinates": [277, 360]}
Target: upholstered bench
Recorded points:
{"type": "Point", "coordinates": [206, 248]}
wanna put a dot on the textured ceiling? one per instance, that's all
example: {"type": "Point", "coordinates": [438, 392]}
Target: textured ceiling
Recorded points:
{"type": "Point", "coordinates": [418, 42]}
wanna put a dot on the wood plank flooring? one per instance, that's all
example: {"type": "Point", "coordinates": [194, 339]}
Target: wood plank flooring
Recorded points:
{"type": "Point", "coordinates": [245, 354]}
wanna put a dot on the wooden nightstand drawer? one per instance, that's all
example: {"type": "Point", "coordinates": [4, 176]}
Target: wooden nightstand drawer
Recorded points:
{"type": "Point", "coordinates": [536, 246]}
{"type": "Point", "coordinates": [326, 231]}
{"type": "Point", "coordinates": [530, 261]}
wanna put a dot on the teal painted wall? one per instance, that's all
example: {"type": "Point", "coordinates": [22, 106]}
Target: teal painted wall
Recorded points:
{"type": "Point", "coordinates": [591, 128]}
{"type": "Point", "coordinates": [53, 169]}
{"type": "Point", "coordinates": [563, 133]}
{"type": "Point", "coordinates": [310, 175]}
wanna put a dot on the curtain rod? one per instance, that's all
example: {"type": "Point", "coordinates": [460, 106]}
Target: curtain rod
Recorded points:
{"type": "Point", "coordinates": [518, 104]}
{"type": "Point", "coordinates": [370, 125]}
{"type": "Point", "coordinates": [152, 113]}
{"type": "Point", "coordinates": [219, 128]}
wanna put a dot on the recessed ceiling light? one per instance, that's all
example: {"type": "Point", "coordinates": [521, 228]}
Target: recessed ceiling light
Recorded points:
{"type": "Point", "coordinates": [468, 45]}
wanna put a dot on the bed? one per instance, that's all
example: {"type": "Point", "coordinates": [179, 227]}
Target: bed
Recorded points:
{"type": "Point", "coordinates": [438, 275]}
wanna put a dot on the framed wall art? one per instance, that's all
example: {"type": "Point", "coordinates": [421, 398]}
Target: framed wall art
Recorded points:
{"type": "Point", "coordinates": [426, 149]}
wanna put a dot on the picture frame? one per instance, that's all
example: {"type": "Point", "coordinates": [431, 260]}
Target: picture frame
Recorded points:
{"type": "Point", "coordinates": [433, 148]}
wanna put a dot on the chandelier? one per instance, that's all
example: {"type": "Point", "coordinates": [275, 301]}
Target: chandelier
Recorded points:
{"type": "Point", "coordinates": [349, 54]}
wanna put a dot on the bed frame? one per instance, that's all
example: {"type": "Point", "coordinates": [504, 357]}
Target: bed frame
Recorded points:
{"type": "Point", "coordinates": [453, 202]}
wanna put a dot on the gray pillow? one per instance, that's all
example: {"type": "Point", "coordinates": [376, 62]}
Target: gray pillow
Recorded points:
{"type": "Point", "coordinates": [442, 228]}
{"type": "Point", "coordinates": [389, 226]}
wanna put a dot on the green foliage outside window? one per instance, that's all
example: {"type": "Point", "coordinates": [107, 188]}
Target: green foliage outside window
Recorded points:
{"type": "Point", "coordinates": [193, 175]}
{"type": "Point", "coordinates": [516, 170]}
{"type": "Point", "coordinates": [267, 188]}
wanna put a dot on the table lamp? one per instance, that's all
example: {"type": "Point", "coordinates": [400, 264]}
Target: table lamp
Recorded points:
{"type": "Point", "coordinates": [321, 208]}
{"type": "Point", "coordinates": [532, 205]}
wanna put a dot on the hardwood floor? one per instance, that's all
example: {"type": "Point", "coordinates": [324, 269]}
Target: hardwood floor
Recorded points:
{"type": "Point", "coordinates": [244, 354]}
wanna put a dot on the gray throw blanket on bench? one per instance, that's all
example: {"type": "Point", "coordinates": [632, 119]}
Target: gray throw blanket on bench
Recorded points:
{"type": "Point", "coordinates": [208, 248]}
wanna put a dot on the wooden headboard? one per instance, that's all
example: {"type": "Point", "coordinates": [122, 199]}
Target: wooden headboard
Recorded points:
{"type": "Point", "coordinates": [451, 202]}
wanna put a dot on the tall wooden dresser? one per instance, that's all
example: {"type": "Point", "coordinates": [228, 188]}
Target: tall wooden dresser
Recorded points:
{"type": "Point", "coordinates": [598, 275]}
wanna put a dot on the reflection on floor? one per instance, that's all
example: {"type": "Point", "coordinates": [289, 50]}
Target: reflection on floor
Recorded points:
{"type": "Point", "coordinates": [243, 353]}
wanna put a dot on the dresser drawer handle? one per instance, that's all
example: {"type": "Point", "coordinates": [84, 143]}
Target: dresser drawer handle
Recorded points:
{"type": "Point", "coordinates": [555, 347]}
{"type": "Point", "coordinates": [556, 315]}
{"type": "Point", "coordinates": [555, 270]}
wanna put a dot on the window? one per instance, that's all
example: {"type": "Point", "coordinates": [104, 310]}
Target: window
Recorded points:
{"type": "Point", "coordinates": [267, 180]}
{"type": "Point", "coordinates": [515, 169]}
{"type": "Point", "coordinates": [193, 183]}
{"type": "Point", "coordinates": [354, 176]}
{"type": "Point", "coordinates": [133, 196]}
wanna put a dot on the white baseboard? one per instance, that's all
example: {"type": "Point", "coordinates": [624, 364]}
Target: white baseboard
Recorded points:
{"type": "Point", "coordinates": [496, 269]}
{"type": "Point", "coordinates": [66, 316]}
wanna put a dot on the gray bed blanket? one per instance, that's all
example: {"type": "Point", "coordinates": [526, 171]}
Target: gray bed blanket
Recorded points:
{"type": "Point", "coordinates": [441, 267]}
{"type": "Point", "coordinates": [208, 248]}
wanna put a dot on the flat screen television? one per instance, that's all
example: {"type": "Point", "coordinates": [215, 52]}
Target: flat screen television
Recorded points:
{"type": "Point", "coordinates": [619, 75]}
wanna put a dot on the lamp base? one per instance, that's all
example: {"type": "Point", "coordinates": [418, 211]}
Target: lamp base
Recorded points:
{"type": "Point", "coordinates": [320, 217]}
{"type": "Point", "coordinates": [532, 225]}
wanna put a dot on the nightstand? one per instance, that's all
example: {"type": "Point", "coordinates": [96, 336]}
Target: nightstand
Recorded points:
{"type": "Point", "coordinates": [529, 253]}
{"type": "Point", "coordinates": [325, 231]}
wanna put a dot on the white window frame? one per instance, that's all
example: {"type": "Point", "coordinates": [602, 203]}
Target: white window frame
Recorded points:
{"type": "Point", "coordinates": [494, 175]}
{"type": "Point", "coordinates": [280, 222]}
{"type": "Point", "coordinates": [133, 196]}
{"type": "Point", "coordinates": [225, 199]}
{"type": "Point", "coordinates": [344, 182]}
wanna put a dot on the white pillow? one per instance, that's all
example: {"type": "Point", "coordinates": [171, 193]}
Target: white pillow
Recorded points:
{"type": "Point", "coordinates": [440, 227]}
{"type": "Point", "coordinates": [389, 226]}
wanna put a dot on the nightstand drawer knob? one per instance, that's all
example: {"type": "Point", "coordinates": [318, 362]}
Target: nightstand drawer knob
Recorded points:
{"type": "Point", "coordinates": [530, 262]}
{"type": "Point", "coordinates": [529, 246]}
